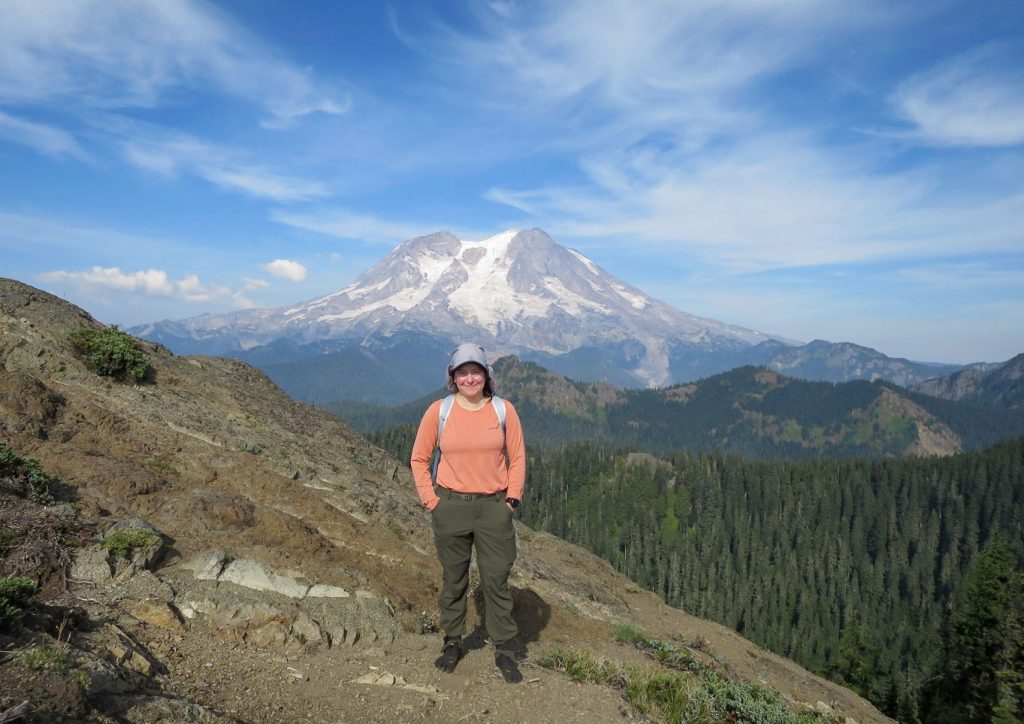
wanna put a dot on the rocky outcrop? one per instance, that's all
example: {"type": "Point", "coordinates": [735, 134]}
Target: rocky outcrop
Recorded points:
{"type": "Point", "coordinates": [238, 599]}
{"type": "Point", "coordinates": [219, 566]}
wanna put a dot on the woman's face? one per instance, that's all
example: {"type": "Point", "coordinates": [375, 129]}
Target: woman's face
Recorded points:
{"type": "Point", "coordinates": [469, 379]}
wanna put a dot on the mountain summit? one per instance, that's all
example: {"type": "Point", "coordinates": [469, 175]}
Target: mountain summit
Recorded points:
{"type": "Point", "coordinates": [516, 292]}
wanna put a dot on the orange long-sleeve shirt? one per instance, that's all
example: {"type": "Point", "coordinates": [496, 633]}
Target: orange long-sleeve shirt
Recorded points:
{"type": "Point", "coordinates": [471, 452]}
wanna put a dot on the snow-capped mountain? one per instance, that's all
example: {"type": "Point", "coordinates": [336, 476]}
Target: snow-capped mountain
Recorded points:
{"type": "Point", "coordinates": [515, 292]}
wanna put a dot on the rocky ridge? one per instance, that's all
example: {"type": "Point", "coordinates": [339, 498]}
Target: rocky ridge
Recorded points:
{"type": "Point", "coordinates": [292, 574]}
{"type": "Point", "coordinates": [997, 386]}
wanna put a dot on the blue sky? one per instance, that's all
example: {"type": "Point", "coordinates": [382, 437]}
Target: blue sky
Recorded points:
{"type": "Point", "coordinates": [815, 169]}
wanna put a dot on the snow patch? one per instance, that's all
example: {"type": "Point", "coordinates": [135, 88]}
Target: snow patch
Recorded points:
{"type": "Point", "coordinates": [401, 301]}
{"type": "Point", "coordinates": [570, 301]}
{"type": "Point", "coordinates": [591, 266]}
{"type": "Point", "coordinates": [318, 302]}
{"type": "Point", "coordinates": [357, 292]}
{"type": "Point", "coordinates": [433, 267]}
{"type": "Point", "coordinates": [487, 296]}
{"type": "Point", "coordinates": [635, 300]}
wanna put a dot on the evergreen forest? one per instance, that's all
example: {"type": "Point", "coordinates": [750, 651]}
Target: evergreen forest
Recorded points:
{"type": "Point", "coordinates": [900, 578]}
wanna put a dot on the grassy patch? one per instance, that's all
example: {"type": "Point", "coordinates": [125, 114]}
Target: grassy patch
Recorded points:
{"type": "Point", "coordinates": [671, 655]}
{"type": "Point", "coordinates": [628, 633]}
{"type": "Point", "coordinates": [582, 666]}
{"type": "Point", "coordinates": [121, 543]}
{"type": "Point", "coordinates": [40, 657]}
{"type": "Point", "coordinates": [162, 467]}
{"type": "Point", "coordinates": [58, 659]}
{"type": "Point", "coordinates": [680, 689]}
{"type": "Point", "coordinates": [572, 609]}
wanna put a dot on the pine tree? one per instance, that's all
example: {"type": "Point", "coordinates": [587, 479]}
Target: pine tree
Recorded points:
{"type": "Point", "coordinates": [969, 687]}
{"type": "Point", "coordinates": [1010, 676]}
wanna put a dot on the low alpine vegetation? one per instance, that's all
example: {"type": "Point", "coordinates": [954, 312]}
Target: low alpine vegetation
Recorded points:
{"type": "Point", "coordinates": [16, 594]}
{"type": "Point", "coordinates": [122, 543]}
{"type": "Point", "coordinates": [24, 477]}
{"type": "Point", "coordinates": [680, 689]}
{"type": "Point", "coordinates": [109, 352]}
{"type": "Point", "coordinates": [42, 657]}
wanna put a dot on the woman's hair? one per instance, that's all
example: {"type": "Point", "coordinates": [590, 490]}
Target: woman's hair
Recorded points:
{"type": "Point", "coordinates": [488, 382]}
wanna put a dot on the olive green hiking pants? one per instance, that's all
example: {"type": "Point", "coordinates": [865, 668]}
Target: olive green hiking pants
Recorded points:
{"type": "Point", "coordinates": [460, 522]}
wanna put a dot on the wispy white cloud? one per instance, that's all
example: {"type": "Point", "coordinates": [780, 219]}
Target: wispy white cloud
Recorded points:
{"type": "Point", "coordinates": [59, 236]}
{"type": "Point", "coordinates": [608, 71]}
{"type": "Point", "coordinates": [250, 284]}
{"type": "Point", "coordinates": [286, 269]}
{"type": "Point", "coordinates": [141, 53]}
{"type": "Point", "coordinates": [627, 52]}
{"type": "Point", "coordinates": [975, 99]}
{"type": "Point", "coordinates": [970, 274]}
{"type": "Point", "coordinates": [171, 153]}
{"type": "Point", "coordinates": [191, 289]}
{"type": "Point", "coordinates": [44, 138]}
{"type": "Point", "coordinates": [345, 224]}
{"type": "Point", "coordinates": [677, 143]}
{"type": "Point", "coordinates": [151, 282]}
{"type": "Point", "coordinates": [774, 201]}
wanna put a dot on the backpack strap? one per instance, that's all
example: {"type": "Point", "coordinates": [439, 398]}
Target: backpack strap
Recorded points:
{"type": "Point", "coordinates": [442, 415]}
{"type": "Point", "coordinates": [499, 407]}
{"type": "Point", "coordinates": [442, 419]}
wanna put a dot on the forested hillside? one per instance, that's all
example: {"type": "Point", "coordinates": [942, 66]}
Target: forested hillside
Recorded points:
{"type": "Point", "coordinates": [751, 411]}
{"type": "Point", "coordinates": [847, 566]}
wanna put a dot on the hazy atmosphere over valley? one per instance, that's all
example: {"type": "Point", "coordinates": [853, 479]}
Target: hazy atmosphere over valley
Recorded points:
{"type": "Point", "coordinates": [809, 170]}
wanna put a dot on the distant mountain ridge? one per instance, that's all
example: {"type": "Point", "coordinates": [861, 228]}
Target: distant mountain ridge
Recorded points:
{"type": "Point", "coordinates": [517, 292]}
{"type": "Point", "coordinates": [999, 386]}
{"type": "Point", "coordinates": [749, 410]}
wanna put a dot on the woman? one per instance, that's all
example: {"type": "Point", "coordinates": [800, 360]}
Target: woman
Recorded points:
{"type": "Point", "coordinates": [472, 498]}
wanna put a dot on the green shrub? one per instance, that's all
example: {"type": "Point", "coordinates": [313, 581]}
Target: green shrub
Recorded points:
{"type": "Point", "coordinates": [122, 542]}
{"type": "Point", "coordinates": [16, 594]}
{"type": "Point", "coordinates": [33, 481]}
{"type": "Point", "coordinates": [109, 352]}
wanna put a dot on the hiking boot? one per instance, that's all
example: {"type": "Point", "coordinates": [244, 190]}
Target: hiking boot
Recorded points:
{"type": "Point", "coordinates": [451, 652]}
{"type": "Point", "coordinates": [508, 667]}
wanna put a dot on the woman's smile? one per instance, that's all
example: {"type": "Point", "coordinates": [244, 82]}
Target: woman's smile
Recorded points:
{"type": "Point", "coordinates": [469, 379]}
